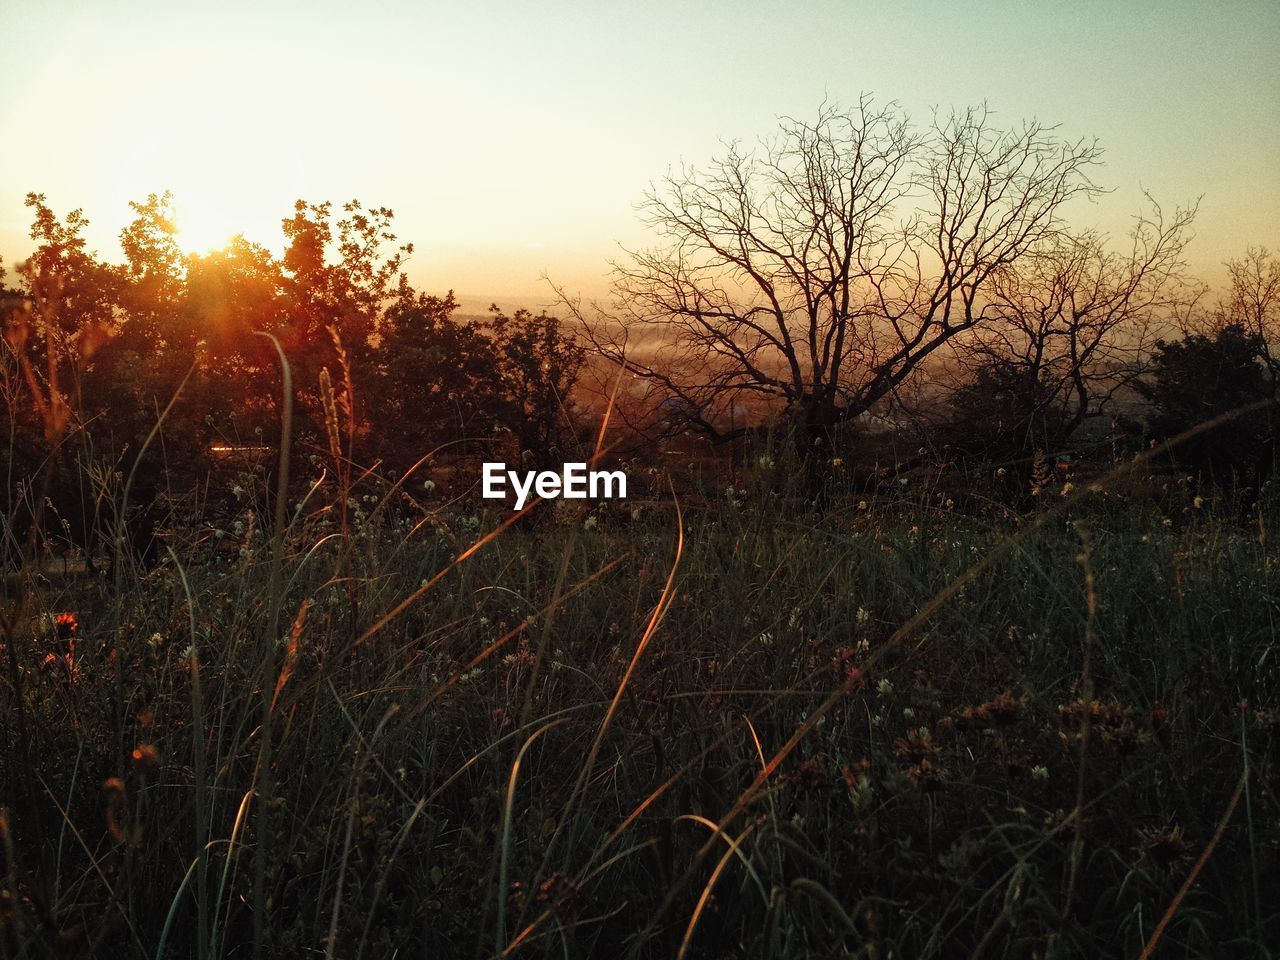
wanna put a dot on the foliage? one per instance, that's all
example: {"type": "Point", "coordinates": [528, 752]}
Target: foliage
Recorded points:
{"type": "Point", "coordinates": [453, 779]}
{"type": "Point", "coordinates": [1203, 377]}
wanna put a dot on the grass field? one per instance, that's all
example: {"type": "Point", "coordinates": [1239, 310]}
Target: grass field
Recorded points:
{"type": "Point", "coordinates": [893, 727]}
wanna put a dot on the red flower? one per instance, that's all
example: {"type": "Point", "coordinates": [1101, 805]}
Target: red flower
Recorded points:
{"type": "Point", "coordinates": [66, 626]}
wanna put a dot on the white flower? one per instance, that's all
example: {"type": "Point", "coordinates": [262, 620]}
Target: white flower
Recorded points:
{"type": "Point", "coordinates": [862, 616]}
{"type": "Point", "coordinates": [428, 485]}
{"type": "Point", "coordinates": [908, 713]}
{"type": "Point", "coordinates": [237, 491]}
{"type": "Point", "coordinates": [885, 686]}
{"type": "Point", "coordinates": [1039, 772]}
{"type": "Point", "coordinates": [589, 523]}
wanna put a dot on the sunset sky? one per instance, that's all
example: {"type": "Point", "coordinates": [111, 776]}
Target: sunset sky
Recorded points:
{"type": "Point", "coordinates": [513, 139]}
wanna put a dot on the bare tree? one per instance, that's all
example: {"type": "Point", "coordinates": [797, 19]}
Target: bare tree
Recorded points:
{"type": "Point", "coordinates": [817, 272]}
{"type": "Point", "coordinates": [1070, 325]}
{"type": "Point", "coordinates": [1253, 304]}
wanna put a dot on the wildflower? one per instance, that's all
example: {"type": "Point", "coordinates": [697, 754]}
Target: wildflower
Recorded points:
{"type": "Point", "coordinates": [908, 713]}
{"type": "Point", "coordinates": [927, 776]}
{"type": "Point", "coordinates": [1002, 711]}
{"type": "Point", "coordinates": [809, 775]}
{"type": "Point", "coordinates": [885, 686]}
{"type": "Point", "coordinates": [66, 626]}
{"type": "Point", "coordinates": [1040, 773]}
{"type": "Point", "coordinates": [145, 758]}
{"type": "Point", "coordinates": [61, 667]}
{"type": "Point", "coordinates": [1198, 502]}
{"type": "Point", "coordinates": [556, 891]}
{"type": "Point", "coordinates": [237, 491]}
{"type": "Point", "coordinates": [917, 745]}
{"type": "Point", "coordinates": [1112, 721]}
{"type": "Point", "coordinates": [113, 787]}
{"type": "Point", "coordinates": [837, 462]}
{"type": "Point", "coordinates": [589, 523]}
{"type": "Point", "coordinates": [428, 485]}
{"type": "Point", "coordinates": [920, 754]}
{"type": "Point", "coordinates": [1164, 846]}
{"type": "Point", "coordinates": [844, 666]}
{"type": "Point", "coordinates": [862, 505]}
{"type": "Point", "coordinates": [862, 616]}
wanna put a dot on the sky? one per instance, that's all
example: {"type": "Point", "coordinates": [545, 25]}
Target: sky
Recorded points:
{"type": "Point", "coordinates": [513, 139]}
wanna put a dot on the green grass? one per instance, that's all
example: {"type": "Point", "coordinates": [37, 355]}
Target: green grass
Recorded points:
{"type": "Point", "coordinates": [781, 770]}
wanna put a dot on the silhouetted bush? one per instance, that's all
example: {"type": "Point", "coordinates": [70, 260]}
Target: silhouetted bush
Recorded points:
{"type": "Point", "coordinates": [1202, 377]}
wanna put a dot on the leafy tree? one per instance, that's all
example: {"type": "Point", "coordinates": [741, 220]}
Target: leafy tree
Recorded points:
{"type": "Point", "coordinates": [340, 278]}
{"type": "Point", "coordinates": [430, 368]}
{"type": "Point", "coordinates": [535, 364]}
{"type": "Point", "coordinates": [1003, 413]}
{"type": "Point", "coordinates": [1202, 377]}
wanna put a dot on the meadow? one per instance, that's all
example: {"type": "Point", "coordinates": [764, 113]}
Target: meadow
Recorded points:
{"type": "Point", "coordinates": [713, 720]}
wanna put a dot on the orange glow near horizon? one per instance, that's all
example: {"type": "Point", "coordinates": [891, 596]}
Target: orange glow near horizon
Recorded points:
{"type": "Point", "coordinates": [514, 143]}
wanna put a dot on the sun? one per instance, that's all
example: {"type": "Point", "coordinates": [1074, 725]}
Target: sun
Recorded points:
{"type": "Point", "coordinates": [203, 227]}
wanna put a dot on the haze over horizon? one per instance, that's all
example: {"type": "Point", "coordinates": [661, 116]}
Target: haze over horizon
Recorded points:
{"type": "Point", "coordinates": [514, 141]}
